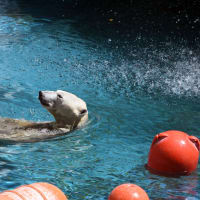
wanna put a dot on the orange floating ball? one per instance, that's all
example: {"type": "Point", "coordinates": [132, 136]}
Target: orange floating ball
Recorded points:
{"type": "Point", "coordinates": [35, 191]}
{"type": "Point", "coordinates": [173, 153]}
{"type": "Point", "coordinates": [128, 192]}
{"type": "Point", "coordinates": [5, 198]}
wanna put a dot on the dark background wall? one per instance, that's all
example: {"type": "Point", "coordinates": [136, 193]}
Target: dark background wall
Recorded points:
{"type": "Point", "coordinates": [179, 18]}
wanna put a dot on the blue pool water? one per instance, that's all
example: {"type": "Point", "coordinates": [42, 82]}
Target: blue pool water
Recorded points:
{"type": "Point", "coordinates": [135, 87]}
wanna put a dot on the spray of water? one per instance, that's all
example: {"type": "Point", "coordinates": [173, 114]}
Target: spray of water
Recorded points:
{"type": "Point", "coordinates": [167, 70]}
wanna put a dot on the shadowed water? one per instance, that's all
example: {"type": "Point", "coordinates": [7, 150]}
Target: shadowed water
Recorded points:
{"type": "Point", "coordinates": [135, 86]}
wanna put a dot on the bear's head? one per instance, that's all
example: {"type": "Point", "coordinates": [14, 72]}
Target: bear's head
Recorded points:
{"type": "Point", "coordinates": [67, 108]}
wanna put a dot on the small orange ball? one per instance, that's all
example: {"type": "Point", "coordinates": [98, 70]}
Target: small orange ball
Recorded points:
{"type": "Point", "coordinates": [128, 192]}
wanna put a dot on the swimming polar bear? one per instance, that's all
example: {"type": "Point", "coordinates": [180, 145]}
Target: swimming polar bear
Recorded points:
{"type": "Point", "coordinates": [69, 111]}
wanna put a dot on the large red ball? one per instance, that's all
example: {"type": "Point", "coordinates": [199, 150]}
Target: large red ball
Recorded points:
{"type": "Point", "coordinates": [173, 153]}
{"type": "Point", "coordinates": [128, 192]}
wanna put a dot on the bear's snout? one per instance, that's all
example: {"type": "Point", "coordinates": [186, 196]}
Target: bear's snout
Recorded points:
{"type": "Point", "coordinates": [42, 99]}
{"type": "Point", "coordinates": [40, 95]}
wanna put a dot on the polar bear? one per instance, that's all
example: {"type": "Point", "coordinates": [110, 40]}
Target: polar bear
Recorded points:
{"type": "Point", "coordinates": [70, 112]}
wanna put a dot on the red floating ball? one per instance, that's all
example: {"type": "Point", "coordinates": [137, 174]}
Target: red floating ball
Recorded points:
{"type": "Point", "coordinates": [128, 192]}
{"type": "Point", "coordinates": [173, 153]}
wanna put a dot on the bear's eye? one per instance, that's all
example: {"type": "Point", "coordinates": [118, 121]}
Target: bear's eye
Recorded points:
{"type": "Point", "coordinates": [60, 96]}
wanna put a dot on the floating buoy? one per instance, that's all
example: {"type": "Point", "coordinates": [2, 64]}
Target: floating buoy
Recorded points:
{"type": "Point", "coordinates": [128, 192]}
{"type": "Point", "coordinates": [5, 198]}
{"type": "Point", "coordinates": [35, 191]}
{"type": "Point", "coordinates": [173, 153]}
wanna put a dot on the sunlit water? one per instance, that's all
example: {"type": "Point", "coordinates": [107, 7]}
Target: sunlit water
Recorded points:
{"type": "Point", "coordinates": [134, 89]}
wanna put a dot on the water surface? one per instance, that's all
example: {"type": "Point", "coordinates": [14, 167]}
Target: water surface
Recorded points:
{"type": "Point", "coordinates": [135, 85]}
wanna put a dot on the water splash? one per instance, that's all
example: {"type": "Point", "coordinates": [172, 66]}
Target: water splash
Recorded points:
{"type": "Point", "coordinates": [171, 70]}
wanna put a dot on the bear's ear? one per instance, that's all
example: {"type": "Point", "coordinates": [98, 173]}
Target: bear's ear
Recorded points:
{"type": "Point", "coordinates": [83, 112]}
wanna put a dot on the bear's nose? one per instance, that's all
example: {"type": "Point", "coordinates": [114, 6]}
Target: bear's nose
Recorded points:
{"type": "Point", "coordinates": [40, 94]}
